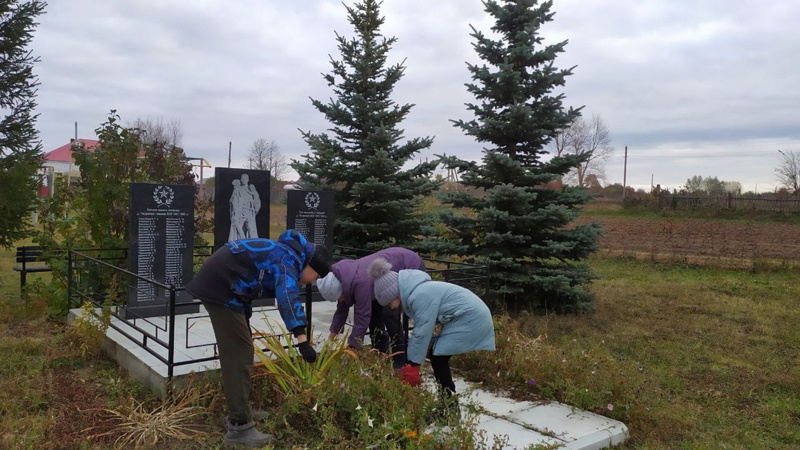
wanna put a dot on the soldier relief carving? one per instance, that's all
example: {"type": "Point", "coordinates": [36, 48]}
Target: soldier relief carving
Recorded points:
{"type": "Point", "coordinates": [244, 205]}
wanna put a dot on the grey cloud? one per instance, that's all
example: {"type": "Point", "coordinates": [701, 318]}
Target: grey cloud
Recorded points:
{"type": "Point", "coordinates": [663, 75]}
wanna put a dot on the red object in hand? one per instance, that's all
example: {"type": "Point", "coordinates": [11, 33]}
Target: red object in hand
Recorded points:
{"type": "Point", "coordinates": [410, 375]}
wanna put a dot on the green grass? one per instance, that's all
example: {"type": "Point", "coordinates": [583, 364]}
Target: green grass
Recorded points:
{"type": "Point", "coordinates": [9, 285]}
{"type": "Point", "coordinates": [688, 357]}
{"type": "Point", "coordinates": [711, 355]}
{"type": "Point", "coordinates": [277, 222]}
{"type": "Point", "coordinates": [9, 279]}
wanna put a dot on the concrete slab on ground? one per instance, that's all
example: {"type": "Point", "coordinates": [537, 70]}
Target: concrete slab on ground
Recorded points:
{"type": "Point", "coordinates": [523, 424]}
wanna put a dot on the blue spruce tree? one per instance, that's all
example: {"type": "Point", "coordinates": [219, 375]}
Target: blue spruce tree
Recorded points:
{"type": "Point", "coordinates": [521, 223]}
{"type": "Point", "coordinates": [20, 148]}
{"type": "Point", "coordinates": [377, 200]}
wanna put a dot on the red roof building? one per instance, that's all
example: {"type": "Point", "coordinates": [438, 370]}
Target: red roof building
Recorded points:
{"type": "Point", "coordinates": [63, 154]}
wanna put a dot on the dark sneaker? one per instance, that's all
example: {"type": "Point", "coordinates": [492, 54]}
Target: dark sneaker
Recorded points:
{"type": "Point", "coordinates": [258, 416]}
{"type": "Point", "coordinates": [246, 435]}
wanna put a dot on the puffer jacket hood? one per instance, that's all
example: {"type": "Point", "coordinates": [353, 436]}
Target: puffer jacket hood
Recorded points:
{"type": "Point", "coordinates": [466, 322]}
{"type": "Point", "coordinates": [296, 241]}
{"type": "Point", "coordinates": [409, 280]}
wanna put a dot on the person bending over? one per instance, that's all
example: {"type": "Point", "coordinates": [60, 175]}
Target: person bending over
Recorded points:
{"type": "Point", "coordinates": [228, 281]}
{"type": "Point", "coordinates": [466, 322]}
{"type": "Point", "coordinates": [349, 284]}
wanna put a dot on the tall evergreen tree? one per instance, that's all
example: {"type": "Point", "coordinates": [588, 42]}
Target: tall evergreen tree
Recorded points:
{"type": "Point", "coordinates": [20, 148]}
{"type": "Point", "coordinates": [377, 200]}
{"type": "Point", "coordinates": [522, 226]}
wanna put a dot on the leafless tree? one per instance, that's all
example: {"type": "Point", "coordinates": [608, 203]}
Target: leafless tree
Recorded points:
{"type": "Point", "coordinates": [560, 143]}
{"type": "Point", "coordinates": [732, 187]}
{"type": "Point", "coordinates": [163, 141]}
{"type": "Point", "coordinates": [582, 138]}
{"type": "Point", "coordinates": [160, 133]}
{"type": "Point", "coordinates": [695, 185]}
{"type": "Point", "coordinates": [788, 171]}
{"type": "Point", "coordinates": [266, 155]}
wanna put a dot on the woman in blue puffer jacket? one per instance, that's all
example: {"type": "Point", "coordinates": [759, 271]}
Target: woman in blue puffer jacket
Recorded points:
{"type": "Point", "coordinates": [465, 319]}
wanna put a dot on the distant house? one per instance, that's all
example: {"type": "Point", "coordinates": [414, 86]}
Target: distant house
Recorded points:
{"type": "Point", "coordinates": [289, 185]}
{"type": "Point", "coordinates": [278, 193]}
{"type": "Point", "coordinates": [60, 162]}
{"type": "Point", "coordinates": [61, 159]}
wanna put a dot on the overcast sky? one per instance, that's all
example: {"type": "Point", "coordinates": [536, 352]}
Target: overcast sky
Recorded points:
{"type": "Point", "coordinates": [705, 88]}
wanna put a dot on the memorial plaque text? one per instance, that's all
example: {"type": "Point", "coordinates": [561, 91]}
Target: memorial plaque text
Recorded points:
{"type": "Point", "coordinates": [161, 233]}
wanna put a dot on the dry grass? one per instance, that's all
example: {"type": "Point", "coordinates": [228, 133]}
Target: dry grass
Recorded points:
{"type": "Point", "coordinates": [180, 417]}
{"type": "Point", "coordinates": [687, 356]}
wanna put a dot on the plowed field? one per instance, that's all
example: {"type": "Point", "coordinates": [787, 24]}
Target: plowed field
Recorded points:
{"type": "Point", "coordinates": [701, 238]}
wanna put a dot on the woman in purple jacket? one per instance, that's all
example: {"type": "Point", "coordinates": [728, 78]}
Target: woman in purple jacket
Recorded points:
{"type": "Point", "coordinates": [349, 284]}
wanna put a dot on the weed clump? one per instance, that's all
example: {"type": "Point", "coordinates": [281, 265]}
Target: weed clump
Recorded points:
{"type": "Point", "coordinates": [347, 399]}
{"type": "Point", "coordinates": [181, 416]}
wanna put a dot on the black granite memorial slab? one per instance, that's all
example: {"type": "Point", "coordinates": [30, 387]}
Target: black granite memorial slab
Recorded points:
{"type": "Point", "coordinates": [311, 213]}
{"type": "Point", "coordinates": [161, 242]}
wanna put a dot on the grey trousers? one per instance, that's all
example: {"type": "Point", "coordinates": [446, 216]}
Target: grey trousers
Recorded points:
{"type": "Point", "coordinates": [235, 344]}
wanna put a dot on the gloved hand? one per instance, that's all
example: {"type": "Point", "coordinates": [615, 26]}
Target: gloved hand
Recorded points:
{"type": "Point", "coordinates": [308, 352]}
{"type": "Point", "coordinates": [410, 375]}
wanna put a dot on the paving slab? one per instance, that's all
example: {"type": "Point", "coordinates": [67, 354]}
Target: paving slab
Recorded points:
{"type": "Point", "coordinates": [523, 424]}
{"type": "Point", "coordinates": [511, 435]}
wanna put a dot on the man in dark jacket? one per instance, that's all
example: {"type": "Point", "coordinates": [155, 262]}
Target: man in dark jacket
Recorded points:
{"type": "Point", "coordinates": [350, 285]}
{"type": "Point", "coordinates": [228, 281]}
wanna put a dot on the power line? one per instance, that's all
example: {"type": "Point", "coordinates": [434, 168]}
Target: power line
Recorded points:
{"type": "Point", "coordinates": [701, 155]}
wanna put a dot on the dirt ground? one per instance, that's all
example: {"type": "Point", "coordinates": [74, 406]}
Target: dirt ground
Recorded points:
{"type": "Point", "coordinates": [701, 238]}
{"type": "Point", "coordinates": [690, 238]}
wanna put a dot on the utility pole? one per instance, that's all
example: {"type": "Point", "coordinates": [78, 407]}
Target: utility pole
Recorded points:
{"type": "Point", "coordinates": [75, 142]}
{"type": "Point", "coordinates": [229, 153]}
{"type": "Point", "coordinates": [625, 174]}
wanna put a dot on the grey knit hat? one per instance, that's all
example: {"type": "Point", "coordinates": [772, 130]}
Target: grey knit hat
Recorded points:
{"type": "Point", "coordinates": [330, 287]}
{"type": "Point", "coordinates": [386, 287]}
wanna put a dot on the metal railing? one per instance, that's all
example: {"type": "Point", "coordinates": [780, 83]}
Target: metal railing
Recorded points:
{"type": "Point", "coordinates": [471, 276]}
{"type": "Point", "coordinates": [98, 281]}
{"type": "Point", "coordinates": [97, 276]}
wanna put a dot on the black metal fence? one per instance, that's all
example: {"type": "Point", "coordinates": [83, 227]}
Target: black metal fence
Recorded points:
{"type": "Point", "coordinates": [471, 276]}
{"type": "Point", "coordinates": [97, 277]}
